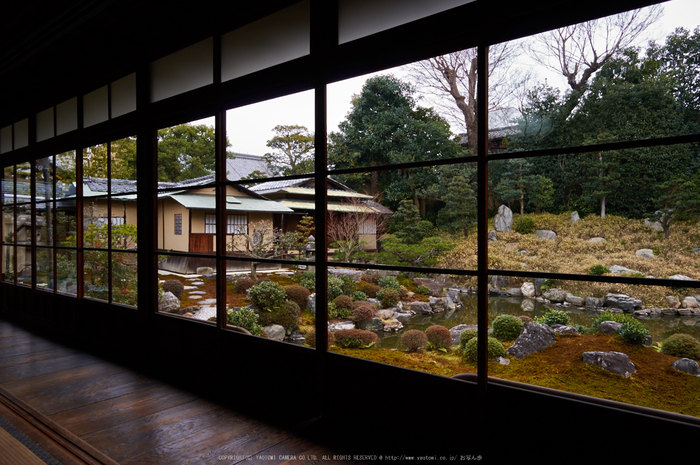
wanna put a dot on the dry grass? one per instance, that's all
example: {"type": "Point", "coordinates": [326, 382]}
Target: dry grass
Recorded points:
{"type": "Point", "coordinates": [571, 252]}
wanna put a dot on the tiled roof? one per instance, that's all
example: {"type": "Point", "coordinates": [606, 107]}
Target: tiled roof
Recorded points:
{"type": "Point", "coordinates": [243, 165]}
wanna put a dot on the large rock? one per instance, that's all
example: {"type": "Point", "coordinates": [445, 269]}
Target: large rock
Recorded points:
{"type": "Point", "coordinates": [311, 303]}
{"type": "Point", "coordinates": [594, 302]}
{"type": "Point", "coordinates": [202, 270]}
{"type": "Point", "coordinates": [645, 253]}
{"type": "Point", "coordinates": [624, 302]}
{"type": "Point", "coordinates": [392, 325]}
{"type": "Point", "coordinates": [617, 269]}
{"type": "Point", "coordinates": [503, 220]}
{"type": "Point", "coordinates": [528, 289]}
{"type": "Point", "coordinates": [614, 362]}
{"type": "Point", "coordinates": [169, 303]}
{"type": "Point", "coordinates": [672, 301]}
{"type": "Point", "coordinates": [555, 295]}
{"type": "Point", "coordinates": [456, 332]}
{"type": "Point", "coordinates": [545, 234]}
{"type": "Point", "coordinates": [355, 275]}
{"type": "Point", "coordinates": [574, 300]}
{"type": "Point", "coordinates": [533, 338]}
{"type": "Point", "coordinates": [275, 332]}
{"type": "Point", "coordinates": [493, 237]}
{"type": "Point", "coordinates": [566, 330]}
{"type": "Point", "coordinates": [690, 302]}
{"type": "Point", "coordinates": [435, 287]}
{"type": "Point", "coordinates": [680, 277]}
{"type": "Point", "coordinates": [375, 324]}
{"type": "Point", "coordinates": [609, 327]}
{"type": "Point", "coordinates": [499, 282]}
{"type": "Point", "coordinates": [575, 217]}
{"type": "Point", "coordinates": [418, 308]}
{"type": "Point", "coordinates": [687, 365]}
{"type": "Point", "coordinates": [656, 225]}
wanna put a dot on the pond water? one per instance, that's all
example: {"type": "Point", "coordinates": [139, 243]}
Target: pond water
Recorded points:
{"type": "Point", "coordinates": [660, 327]}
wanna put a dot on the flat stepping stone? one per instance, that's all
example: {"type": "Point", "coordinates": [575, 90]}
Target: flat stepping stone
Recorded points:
{"type": "Point", "coordinates": [198, 283]}
{"type": "Point", "coordinates": [197, 292]}
{"type": "Point", "coordinates": [190, 288]}
{"type": "Point", "coordinates": [208, 302]}
{"type": "Point", "coordinates": [196, 297]}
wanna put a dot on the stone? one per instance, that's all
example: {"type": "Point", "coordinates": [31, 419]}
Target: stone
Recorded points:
{"type": "Point", "coordinates": [566, 331]}
{"type": "Point", "coordinates": [617, 269]}
{"type": "Point", "coordinates": [204, 270]}
{"type": "Point", "coordinates": [499, 282]}
{"type": "Point", "coordinates": [456, 332]}
{"type": "Point", "coordinates": [545, 234]}
{"type": "Point", "coordinates": [609, 327]}
{"type": "Point", "coordinates": [645, 253]}
{"type": "Point", "coordinates": [275, 332]}
{"type": "Point", "coordinates": [341, 325]}
{"type": "Point", "coordinates": [436, 288]}
{"type": "Point", "coordinates": [514, 291]}
{"type": "Point", "coordinates": [385, 314]}
{"type": "Point", "coordinates": [595, 240]}
{"type": "Point", "coordinates": [493, 237]}
{"type": "Point", "coordinates": [687, 365]}
{"type": "Point", "coordinates": [594, 302]}
{"type": "Point", "coordinates": [672, 301]}
{"type": "Point", "coordinates": [503, 220]}
{"type": "Point", "coordinates": [375, 324]}
{"type": "Point", "coordinates": [454, 296]}
{"type": "Point", "coordinates": [656, 225]}
{"type": "Point", "coordinates": [624, 302]}
{"type": "Point", "coordinates": [197, 293]}
{"type": "Point", "coordinates": [575, 217]}
{"type": "Point", "coordinates": [555, 295]}
{"type": "Point", "coordinates": [493, 291]}
{"type": "Point", "coordinates": [419, 308]}
{"type": "Point", "coordinates": [502, 361]}
{"type": "Point", "coordinates": [690, 302]}
{"type": "Point", "coordinates": [311, 303]}
{"type": "Point", "coordinates": [392, 325]}
{"type": "Point", "coordinates": [614, 362]}
{"type": "Point", "coordinates": [441, 304]}
{"type": "Point", "coordinates": [695, 250]}
{"type": "Point", "coordinates": [168, 303]}
{"type": "Point", "coordinates": [539, 282]}
{"type": "Point", "coordinates": [528, 289]}
{"type": "Point", "coordinates": [533, 338]}
{"type": "Point", "coordinates": [680, 277]}
{"type": "Point", "coordinates": [209, 275]}
{"type": "Point", "coordinates": [574, 300]}
{"type": "Point", "coordinates": [355, 275]}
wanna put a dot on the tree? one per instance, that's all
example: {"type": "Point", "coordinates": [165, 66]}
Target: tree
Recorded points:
{"type": "Point", "coordinates": [293, 151]}
{"type": "Point", "coordinates": [345, 230]}
{"type": "Point", "coordinates": [679, 201]}
{"type": "Point", "coordinates": [406, 224]}
{"type": "Point", "coordinates": [185, 152]}
{"type": "Point", "coordinates": [459, 213]}
{"type": "Point", "coordinates": [423, 253]}
{"type": "Point", "coordinates": [385, 126]}
{"type": "Point", "coordinates": [262, 240]}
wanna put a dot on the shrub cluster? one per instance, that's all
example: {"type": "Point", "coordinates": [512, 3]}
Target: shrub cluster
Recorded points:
{"type": "Point", "coordinates": [298, 294]}
{"type": "Point", "coordinates": [343, 302]}
{"type": "Point", "coordinates": [495, 349]}
{"type": "Point", "coordinates": [389, 282]}
{"type": "Point", "coordinates": [598, 270]}
{"type": "Point", "coordinates": [466, 336]}
{"type": "Point", "coordinates": [439, 337]}
{"type": "Point", "coordinates": [174, 286]}
{"type": "Point", "coordinates": [359, 296]}
{"type": "Point", "coordinates": [524, 224]}
{"type": "Point", "coordinates": [369, 289]}
{"type": "Point", "coordinates": [507, 327]}
{"type": "Point", "coordinates": [414, 340]}
{"type": "Point", "coordinates": [355, 338]}
{"type": "Point", "coordinates": [310, 338]}
{"type": "Point", "coordinates": [241, 285]}
{"type": "Point", "coordinates": [363, 312]}
{"type": "Point", "coordinates": [308, 280]}
{"type": "Point", "coordinates": [681, 345]}
{"type": "Point", "coordinates": [371, 278]}
{"type": "Point", "coordinates": [632, 330]}
{"type": "Point", "coordinates": [335, 312]}
{"type": "Point", "coordinates": [388, 297]}
{"type": "Point", "coordinates": [245, 318]}
{"type": "Point", "coordinates": [267, 295]}
{"type": "Point", "coordinates": [556, 317]}
{"type": "Point", "coordinates": [286, 315]}
{"type": "Point", "coordinates": [423, 290]}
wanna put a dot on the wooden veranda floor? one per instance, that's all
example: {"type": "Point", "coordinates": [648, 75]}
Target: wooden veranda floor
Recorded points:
{"type": "Point", "coordinates": [83, 409]}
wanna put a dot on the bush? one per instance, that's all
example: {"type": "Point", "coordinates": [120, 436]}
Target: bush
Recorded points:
{"type": "Point", "coordinates": [466, 336]}
{"type": "Point", "coordinates": [174, 286]}
{"type": "Point", "coordinates": [267, 295]}
{"type": "Point", "coordinates": [507, 327]}
{"type": "Point", "coordinates": [347, 285]}
{"type": "Point", "coordinates": [633, 331]}
{"type": "Point", "coordinates": [371, 278]}
{"type": "Point", "coordinates": [389, 282]}
{"type": "Point", "coordinates": [310, 338]}
{"type": "Point", "coordinates": [368, 289]}
{"type": "Point", "coordinates": [343, 301]}
{"type": "Point", "coordinates": [363, 312]}
{"type": "Point", "coordinates": [334, 312]}
{"type": "Point", "coordinates": [556, 317]}
{"type": "Point", "coordinates": [609, 316]}
{"type": "Point", "coordinates": [414, 340]}
{"type": "Point", "coordinates": [388, 297]}
{"type": "Point", "coordinates": [359, 296]}
{"type": "Point", "coordinates": [495, 349]}
{"type": "Point", "coordinates": [681, 345]}
{"type": "Point", "coordinates": [335, 287]}
{"type": "Point", "coordinates": [598, 270]}
{"type": "Point", "coordinates": [439, 337]}
{"type": "Point", "coordinates": [245, 318]}
{"type": "Point", "coordinates": [308, 280]}
{"type": "Point", "coordinates": [286, 315]}
{"type": "Point", "coordinates": [241, 285]}
{"type": "Point", "coordinates": [423, 290]}
{"type": "Point", "coordinates": [524, 224]}
{"type": "Point", "coordinates": [298, 294]}
{"type": "Point", "coordinates": [355, 338]}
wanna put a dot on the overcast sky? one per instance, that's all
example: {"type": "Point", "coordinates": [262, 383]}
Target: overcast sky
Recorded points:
{"type": "Point", "coordinates": [249, 128]}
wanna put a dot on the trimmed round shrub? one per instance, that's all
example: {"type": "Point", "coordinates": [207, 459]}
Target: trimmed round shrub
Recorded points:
{"type": "Point", "coordinates": [241, 285]}
{"type": "Point", "coordinates": [507, 327]}
{"type": "Point", "coordinates": [556, 317]}
{"type": "Point", "coordinates": [245, 318]}
{"type": "Point", "coordinates": [343, 301]}
{"type": "Point", "coordinates": [423, 290]}
{"type": "Point", "coordinates": [439, 337]}
{"type": "Point", "coordinates": [359, 296]}
{"type": "Point", "coordinates": [267, 295]}
{"type": "Point", "coordinates": [335, 312]}
{"type": "Point", "coordinates": [310, 338]}
{"type": "Point", "coordinates": [368, 288]}
{"type": "Point", "coordinates": [174, 286]}
{"type": "Point", "coordinates": [524, 224]}
{"type": "Point", "coordinates": [286, 315]}
{"type": "Point", "coordinates": [681, 345]}
{"type": "Point", "coordinates": [414, 340]}
{"type": "Point", "coordinates": [633, 331]}
{"type": "Point", "coordinates": [308, 280]}
{"type": "Point", "coordinates": [466, 336]}
{"type": "Point", "coordinates": [371, 278]}
{"type": "Point", "coordinates": [388, 297]}
{"type": "Point", "coordinates": [598, 270]}
{"type": "Point", "coordinates": [298, 294]}
{"type": "Point", "coordinates": [389, 282]}
{"type": "Point", "coordinates": [355, 338]}
{"type": "Point", "coordinates": [335, 287]}
{"type": "Point", "coordinates": [495, 349]}
{"type": "Point", "coordinates": [363, 312]}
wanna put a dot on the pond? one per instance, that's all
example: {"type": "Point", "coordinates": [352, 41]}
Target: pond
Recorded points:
{"type": "Point", "coordinates": [660, 327]}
